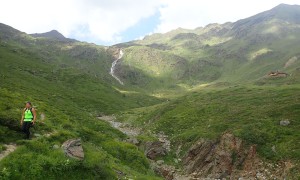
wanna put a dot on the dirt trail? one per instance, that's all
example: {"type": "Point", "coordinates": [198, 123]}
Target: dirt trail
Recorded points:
{"type": "Point", "coordinates": [9, 149]}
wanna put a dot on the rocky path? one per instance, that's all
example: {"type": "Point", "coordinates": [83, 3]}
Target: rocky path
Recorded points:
{"type": "Point", "coordinates": [9, 149]}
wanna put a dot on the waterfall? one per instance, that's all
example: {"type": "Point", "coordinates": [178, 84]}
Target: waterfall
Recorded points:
{"type": "Point", "coordinates": [113, 66]}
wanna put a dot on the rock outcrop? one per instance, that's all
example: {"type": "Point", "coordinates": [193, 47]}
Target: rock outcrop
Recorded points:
{"type": "Point", "coordinates": [158, 148]}
{"type": "Point", "coordinates": [73, 149]}
{"type": "Point", "coordinates": [155, 149]}
{"type": "Point", "coordinates": [230, 158]}
{"type": "Point", "coordinates": [211, 157]}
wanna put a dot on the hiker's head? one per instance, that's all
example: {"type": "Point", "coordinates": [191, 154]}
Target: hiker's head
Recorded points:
{"type": "Point", "coordinates": [28, 104]}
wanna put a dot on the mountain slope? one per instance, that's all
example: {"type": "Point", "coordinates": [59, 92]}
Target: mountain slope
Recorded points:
{"type": "Point", "coordinates": [209, 90]}
{"type": "Point", "coordinates": [225, 69]}
{"type": "Point", "coordinates": [243, 51]}
{"type": "Point", "coordinates": [69, 85]}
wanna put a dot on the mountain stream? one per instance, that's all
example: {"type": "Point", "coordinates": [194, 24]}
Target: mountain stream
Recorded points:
{"type": "Point", "coordinates": [113, 67]}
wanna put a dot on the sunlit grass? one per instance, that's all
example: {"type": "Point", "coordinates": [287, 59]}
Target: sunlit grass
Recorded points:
{"type": "Point", "coordinates": [258, 53]}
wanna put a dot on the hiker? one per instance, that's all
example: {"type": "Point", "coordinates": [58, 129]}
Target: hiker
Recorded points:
{"type": "Point", "coordinates": [28, 119]}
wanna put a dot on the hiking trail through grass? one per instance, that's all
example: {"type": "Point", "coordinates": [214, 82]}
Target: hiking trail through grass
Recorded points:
{"type": "Point", "coordinates": [9, 149]}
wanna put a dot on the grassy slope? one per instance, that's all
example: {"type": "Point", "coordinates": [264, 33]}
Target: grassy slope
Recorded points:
{"type": "Point", "coordinates": [159, 65]}
{"type": "Point", "coordinates": [70, 96]}
{"type": "Point", "coordinates": [252, 113]}
{"type": "Point", "coordinates": [244, 51]}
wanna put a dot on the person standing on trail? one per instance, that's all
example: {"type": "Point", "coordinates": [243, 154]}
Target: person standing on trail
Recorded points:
{"type": "Point", "coordinates": [28, 119]}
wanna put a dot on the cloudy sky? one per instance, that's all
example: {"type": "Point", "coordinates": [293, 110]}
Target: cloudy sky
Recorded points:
{"type": "Point", "coordinates": [108, 22]}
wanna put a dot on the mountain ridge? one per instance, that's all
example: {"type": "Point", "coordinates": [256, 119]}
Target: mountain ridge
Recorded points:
{"type": "Point", "coordinates": [228, 45]}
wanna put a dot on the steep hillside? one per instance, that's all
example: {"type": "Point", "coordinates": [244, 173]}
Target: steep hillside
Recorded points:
{"type": "Point", "coordinates": [243, 51]}
{"type": "Point", "coordinates": [69, 85]}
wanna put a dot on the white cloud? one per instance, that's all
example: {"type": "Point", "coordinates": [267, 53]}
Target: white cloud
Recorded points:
{"type": "Point", "coordinates": [195, 13]}
{"type": "Point", "coordinates": [106, 20]}
{"type": "Point", "coordinates": [96, 20]}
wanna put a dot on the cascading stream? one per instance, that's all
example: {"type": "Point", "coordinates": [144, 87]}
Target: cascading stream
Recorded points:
{"type": "Point", "coordinates": [113, 67]}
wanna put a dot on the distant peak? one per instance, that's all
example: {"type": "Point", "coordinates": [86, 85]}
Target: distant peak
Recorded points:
{"type": "Point", "coordinates": [54, 31]}
{"type": "Point", "coordinates": [283, 5]}
{"type": "Point", "coordinates": [286, 6]}
{"type": "Point", "coordinates": [54, 34]}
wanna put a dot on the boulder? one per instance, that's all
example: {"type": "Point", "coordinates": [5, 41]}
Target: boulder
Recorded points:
{"type": "Point", "coordinates": [284, 122]}
{"type": "Point", "coordinates": [155, 149]}
{"type": "Point", "coordinates": [73, 149]}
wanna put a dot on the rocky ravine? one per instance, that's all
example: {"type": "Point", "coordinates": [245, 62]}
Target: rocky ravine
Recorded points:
{"type": "Point", "coordinates": [226, 158]}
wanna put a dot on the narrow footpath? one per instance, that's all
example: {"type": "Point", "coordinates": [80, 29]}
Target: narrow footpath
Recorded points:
{"type": "Point", "coordinates": [9, 149]}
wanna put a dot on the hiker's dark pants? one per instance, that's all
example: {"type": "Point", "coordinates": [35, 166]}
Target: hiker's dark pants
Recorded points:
{"type": "Point", "coordinates": [25, 128]}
